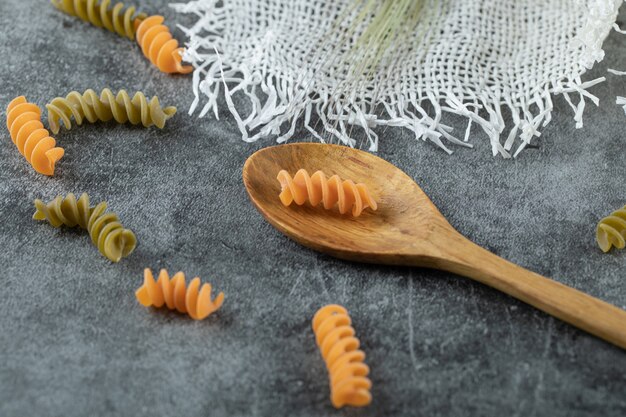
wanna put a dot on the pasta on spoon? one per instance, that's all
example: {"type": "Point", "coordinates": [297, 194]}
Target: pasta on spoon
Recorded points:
{"type": "Point", "coordinates": [317, 188]}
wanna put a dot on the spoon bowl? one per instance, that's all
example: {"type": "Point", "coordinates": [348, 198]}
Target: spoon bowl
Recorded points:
{"type": "Point", "coordinates": [406, 229]}
{"type": "Point", "coordinates": [403, 220]}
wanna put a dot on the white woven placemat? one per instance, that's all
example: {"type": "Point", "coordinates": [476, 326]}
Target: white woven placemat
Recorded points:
{"type": "Point", "coordinates": [499, 63]}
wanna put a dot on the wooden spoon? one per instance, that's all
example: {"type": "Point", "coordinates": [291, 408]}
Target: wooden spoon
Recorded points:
{"type": "Point", "coordinates": [407, 229]}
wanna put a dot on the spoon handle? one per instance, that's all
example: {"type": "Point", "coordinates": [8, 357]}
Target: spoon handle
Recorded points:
{"type": "Point", "coordinates": [572, 306]}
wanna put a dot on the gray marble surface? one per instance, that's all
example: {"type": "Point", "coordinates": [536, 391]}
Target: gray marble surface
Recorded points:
{"type": "Point", "coordinates": [75, 342]}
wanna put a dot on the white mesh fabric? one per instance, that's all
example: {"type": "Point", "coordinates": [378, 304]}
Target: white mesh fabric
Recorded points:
{"type": "Point", "coordinates": [496, 62]}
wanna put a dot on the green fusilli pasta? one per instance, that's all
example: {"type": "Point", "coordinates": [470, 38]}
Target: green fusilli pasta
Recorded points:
{"type": "Point", "coordinates": [116, 19]}
{"type": "Point", "coordinates": [105, 229]}
{"type": "Point", "coordinates": [106, 106]}
{"type": "Point", "coordinates": [611, 230]}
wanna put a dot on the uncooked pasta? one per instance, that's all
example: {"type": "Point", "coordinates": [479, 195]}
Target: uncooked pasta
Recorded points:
{"type": "Point", "coordinates": [107, 106]}
{"type": "Point", "coordinates": [100, 14]}
{"type": "Point", "coordinates": [30, 137]}
{"type": "Point", "coordinates": [194, 300]}
{"type": "Point", "coordinates": [611, 230]}
{"type": "Point", "coordinates": [105, 229]}
{"type": "Point", "coordinates": [160, 47]}
{"type": "Point", "coordinates": [339, 347]}
{"type": "Point", "coordinates": [332, 191]}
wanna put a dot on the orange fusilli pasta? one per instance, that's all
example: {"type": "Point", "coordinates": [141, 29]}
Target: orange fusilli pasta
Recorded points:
{"type": "Point", "coordinates": [193, 300]}
{"type": "Point", "coordinates": [331, 191]}
{"type": "Point", "coordinates": [30, 137]}
{"type": "Point", "coordinates": [339, 347]}
{"type": "Point", "coordinates": [159, 47]}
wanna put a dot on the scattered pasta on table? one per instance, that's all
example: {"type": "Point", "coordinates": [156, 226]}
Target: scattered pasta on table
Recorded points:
{"type": "Point", "coordinates": [160, 47]}
{"type": "Point", "coordinates": [31, 138]}
{"type": "Point", "coordinates": [194, 300]}
{"type": "Point", "coordinates": [611, 230]}
{"type": "Point", "coordinates": [106, 232]}
{"type": "Point", "coordinates": [335, 337]}
{"type": "Point", "coordinates": [100, 14]}
{"type": "Point", "coordinates": [107, 106]}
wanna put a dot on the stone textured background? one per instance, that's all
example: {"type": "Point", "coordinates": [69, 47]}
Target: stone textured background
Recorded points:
{"type": "Point", "coordinates": [75, 342]}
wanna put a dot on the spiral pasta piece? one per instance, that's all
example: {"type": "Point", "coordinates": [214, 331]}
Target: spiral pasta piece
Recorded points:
{"type": "Point", "coordinates": [160, 47]}
{"type": "Point", "coordinates": [193, 300]}
{"type": "Point", "coordinates": [30, 137]}
{"type": "Point", "coordinates": [105, 229]}
{"type": "Point", "coordinates": [106, 106]}
{"type": "Point", "coordinates": [317, 188]}
{"type": "Point", "coordinates": [100, 14]}
{"type": "Point", "coordinates": [611, 230]}
{"type": "Point", "coordinates": [339, 347]}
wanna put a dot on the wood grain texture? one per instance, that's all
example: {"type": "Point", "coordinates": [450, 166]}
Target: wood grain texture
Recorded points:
{"type": "Point", "coordinates": [407, 229]}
